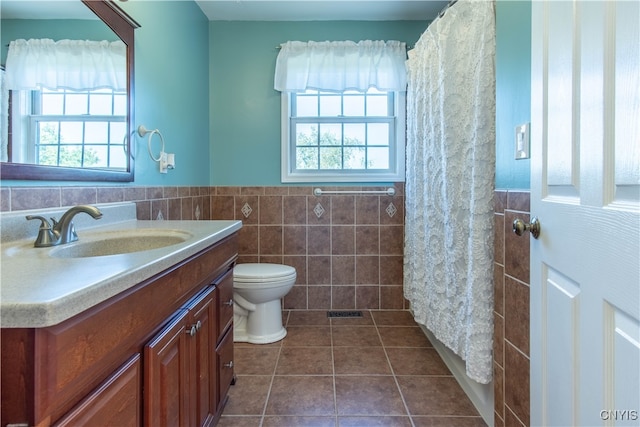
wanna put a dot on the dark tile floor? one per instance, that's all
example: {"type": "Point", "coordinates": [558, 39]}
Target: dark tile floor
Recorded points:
{"type": "Point", "coordinates": [378, 370]}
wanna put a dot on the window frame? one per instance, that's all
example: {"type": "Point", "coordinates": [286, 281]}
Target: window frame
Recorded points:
{"type": "Point", "coordinates": [395, 172]}
{"type": "Point", "coordinates": [27, 116]}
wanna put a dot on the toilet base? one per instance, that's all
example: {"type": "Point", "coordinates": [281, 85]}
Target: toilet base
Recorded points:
{"type": "Point", "coordinates": [240, 335]}
{"type": "Point", "coordinates": [260, 326]}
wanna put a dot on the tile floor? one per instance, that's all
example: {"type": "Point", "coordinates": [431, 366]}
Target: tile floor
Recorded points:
{"type": "Point", "coordinates": [378, 370]}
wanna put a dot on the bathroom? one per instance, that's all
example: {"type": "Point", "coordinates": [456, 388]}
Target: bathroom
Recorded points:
{"type": "Point", "coordinates": [208, 87]}
{"type": "Point", "coordinates": [208, 131]}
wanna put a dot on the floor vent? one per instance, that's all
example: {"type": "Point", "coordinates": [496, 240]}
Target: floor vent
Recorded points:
{"type": "Point", "coordinates": [344, 314]}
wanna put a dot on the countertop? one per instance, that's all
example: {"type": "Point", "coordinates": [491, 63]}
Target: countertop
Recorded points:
{"type": "Point", "coordinates": [37, 290]}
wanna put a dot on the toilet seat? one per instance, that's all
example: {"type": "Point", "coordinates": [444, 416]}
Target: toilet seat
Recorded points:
{"type": "Point", "coordinates": [247, 275]}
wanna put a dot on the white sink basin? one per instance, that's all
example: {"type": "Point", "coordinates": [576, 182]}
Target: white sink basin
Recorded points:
{"type": "Point", "coordinates": [118, 244]}
{"type": "Point", "coordinates": [97, 244]}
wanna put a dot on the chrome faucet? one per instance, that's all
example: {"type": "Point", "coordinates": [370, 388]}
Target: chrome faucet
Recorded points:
{"type": "Point", "coordinates": [63, 231]}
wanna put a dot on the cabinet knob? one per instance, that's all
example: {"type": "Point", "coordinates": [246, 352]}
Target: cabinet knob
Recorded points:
{"type": "Point", "coordinates": [193, 330]}
{"type": "Point", "coordinates": [229, 303]}
{"type": "Point", "coordinates": [229, 365]}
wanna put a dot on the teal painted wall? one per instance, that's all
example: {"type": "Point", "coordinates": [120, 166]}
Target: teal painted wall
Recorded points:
{"type": "Point", "coordinates": [171, 91]}
{"type": "Point", "coordinates": [172, 86]}
{"type": "Point", "coordinates": [208, 86]}
{"type": "Point", "coordinates": [245, 109]}
{"type": "Point", "coordinates": [513, 89]}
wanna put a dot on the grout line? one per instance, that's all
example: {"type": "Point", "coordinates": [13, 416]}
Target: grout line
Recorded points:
{"type": "Point", "coordinates": [395, 377]}
{"type": "Point", "coordinates": [333, 377]}
{"type": "Point", "coordinates": [515, 347]}
{"type": "Point", "coordinates": [273, 375]}
{"type": "Point", "coordinates": [513, 413]}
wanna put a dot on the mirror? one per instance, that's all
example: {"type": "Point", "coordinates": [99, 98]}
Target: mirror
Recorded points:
{"type": "Point", "coordinates": [123, 26]}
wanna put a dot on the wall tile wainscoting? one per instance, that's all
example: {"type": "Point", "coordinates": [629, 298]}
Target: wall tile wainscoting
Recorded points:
{"type": "Point", "coordinates": [511, 312]}
{"type": "Point", "coordinates": [347, 249]}
{"type": "Point", "coordinates": [348, 252]}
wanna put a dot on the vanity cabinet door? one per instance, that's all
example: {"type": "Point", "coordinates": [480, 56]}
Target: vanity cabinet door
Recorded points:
{"type": "Point", "coordinates": [116, 402]}
{"type": "Point", "coordinates": [204, 391]}
{"type": "Point", "coordinates": [166, 375]}
{"type": "Point", "coordinates": [225, 366]}
{"type": "Point", "coordinates": [180, 367]}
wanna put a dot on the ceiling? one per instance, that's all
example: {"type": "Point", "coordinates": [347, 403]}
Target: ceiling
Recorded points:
{"type": "Point", "coordinates": [253, 10]}
{"type": "Point", "coordinates": [44, 9]}
{"type": "Point", "coordinates": [321, 10]}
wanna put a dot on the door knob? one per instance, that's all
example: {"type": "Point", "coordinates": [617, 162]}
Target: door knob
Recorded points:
{"type": "Point", "coordinates": [519, 227]}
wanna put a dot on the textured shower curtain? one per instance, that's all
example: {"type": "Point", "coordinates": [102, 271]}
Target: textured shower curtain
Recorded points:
{"type": "Point", "coordinates": [448, 265]}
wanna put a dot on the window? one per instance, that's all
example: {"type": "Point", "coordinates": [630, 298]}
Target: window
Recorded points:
{"type": "Point", "coordinates": [335, 126]}
{"type": "Point", "coordinates": [72, 128]}
{"type": "Point", "coordinates": [68, 103]}
{"type": "Point", "coordinates": [347, 136]}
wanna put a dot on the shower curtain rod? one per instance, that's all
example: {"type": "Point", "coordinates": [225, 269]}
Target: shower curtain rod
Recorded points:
{"type": "Point", "coordinates": [442, 12]}
{"type": "Point", "coordinates": [440, 15]}
{"type": "Point", "coordinates": [407, 46]}
{"type": "Point", "coordinates": [389, 191]}
{"type": "Point", "coordinates": [444, 9]}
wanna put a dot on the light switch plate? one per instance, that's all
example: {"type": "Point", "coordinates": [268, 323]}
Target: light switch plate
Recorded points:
{"type": "Point", "coordinates": [522, 142]}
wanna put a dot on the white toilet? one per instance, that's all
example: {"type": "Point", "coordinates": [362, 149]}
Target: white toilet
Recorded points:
{"type": "Point", "coordinates": [257, 290]}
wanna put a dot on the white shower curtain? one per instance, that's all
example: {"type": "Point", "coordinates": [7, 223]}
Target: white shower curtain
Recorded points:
{"type": "Point", "coordinates": [448, 266]}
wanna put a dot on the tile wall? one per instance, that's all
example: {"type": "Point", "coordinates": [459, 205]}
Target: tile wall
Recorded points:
{"type": "Point", "coordinates": [511, 312]}
{"type": "Point", "coordinates": [347, 250]}
{"type": "Point", "coordinates": [151, 202]}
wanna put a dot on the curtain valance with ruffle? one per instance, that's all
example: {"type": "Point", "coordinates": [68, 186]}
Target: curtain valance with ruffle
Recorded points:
{"type": "Point", "coordinates": [70, 64]}
{"type": "Point", "coordinates": [341, 65]}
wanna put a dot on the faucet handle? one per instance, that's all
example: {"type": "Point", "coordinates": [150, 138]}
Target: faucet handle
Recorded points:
{"type": "Point", "coordinates": [44, 225]}
{"type": "Point", "coordinates": [46, 236]}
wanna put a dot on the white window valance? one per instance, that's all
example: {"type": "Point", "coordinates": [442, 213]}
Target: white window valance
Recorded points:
{"type": "Point", "coordinates": [341, 65]}
{"type": "Point", "coordinates": [70, 64]}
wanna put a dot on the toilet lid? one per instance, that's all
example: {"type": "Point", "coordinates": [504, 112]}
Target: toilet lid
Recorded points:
{"type": "Point", "coordinates": [258, 272]}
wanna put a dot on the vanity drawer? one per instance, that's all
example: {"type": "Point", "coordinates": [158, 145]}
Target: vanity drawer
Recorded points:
{"type": "Point", "coordinates": [225, 302]}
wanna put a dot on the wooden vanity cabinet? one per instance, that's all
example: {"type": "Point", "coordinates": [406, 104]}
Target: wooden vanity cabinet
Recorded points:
{"type": "Point", "coordinates": [148, 356]}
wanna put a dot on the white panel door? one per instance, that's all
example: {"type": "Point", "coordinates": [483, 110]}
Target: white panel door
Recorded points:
{"type": "Point", "coordinates": [585, 190]}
